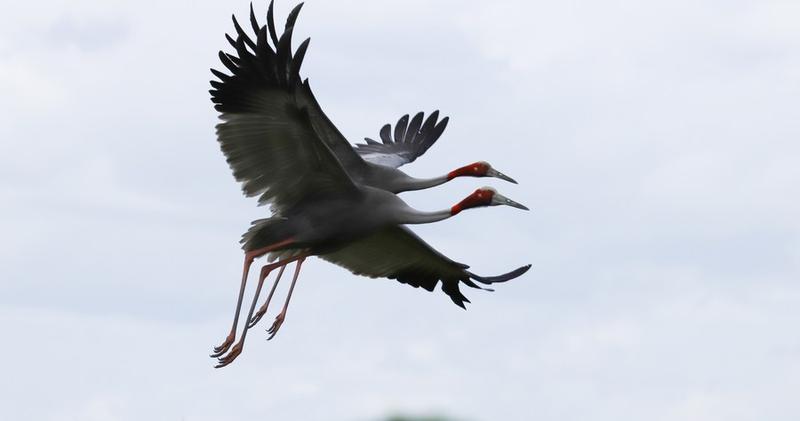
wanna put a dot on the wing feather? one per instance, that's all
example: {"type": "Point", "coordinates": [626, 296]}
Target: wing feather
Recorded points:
{"type": "Point", "coordinates": [273, 134]}
{"type": "Point", "coordinates": [397, 253]}
{"type": "Point", "coordinates": [400, 128]}
{"type": "Point", "coordinates": [414, 126]}
{"type": "Point", "coordinates": [386, 134]}
{"type": "Point", "coordinates": [271, 24]}
{"type": "Point", "coordinates": [242, 33]}
{"type": "Point", "coordinates": [411, 140]}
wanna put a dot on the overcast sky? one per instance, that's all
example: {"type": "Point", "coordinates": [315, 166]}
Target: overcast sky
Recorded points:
{"type": "Point", "coordinates": [657, 144]}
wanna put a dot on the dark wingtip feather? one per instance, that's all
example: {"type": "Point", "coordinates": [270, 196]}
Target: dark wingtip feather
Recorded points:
{"type": "Point", "coordinates": [435, 133]}
{"type": "Point", "coordinates": [253, 21]}
{"type": "Point", "coordinates": [261, 41]}
{"type": "Point", "coordinates": [271, 24]}
{"type": "Point", "coordinates": [227, 62]}
{"type": "Point", "coordinates": [243, 34]}
{"type": "Point", "coordinates": [230, 40]}
{"type": "Point", "coordinates": [471, 284]}
{"type": "Point", "coordinates": [500, 278]}
{"type": "Point", "coordinates": [293, 17]}
{"type": "Point", "coordinates": [221, 76]}
{"type": "Point", "coordinates": [297, 62]}
{"type": "Point", "coordinates": [443, 123]}
{"type": "Point", "coordinates": [428, 125]}
{"type": "Point", "coordinates": [386, 135]}
{"type": "Point", "coordinates": [451, 289]}
{"type": "Point", "coordinates": [413, 127]}
{"type": "Point", "coordinates": [241, 50]}
{"type": "Point", "coordinates": [400, 128]}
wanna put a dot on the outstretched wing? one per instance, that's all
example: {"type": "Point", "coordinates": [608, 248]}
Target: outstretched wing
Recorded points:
{"type": "Point", "coordinates": [397, 253]}
{"type": "Point", "coordinates": [411, 140]}
{"type": "Point", "coordinates": [278, 142]}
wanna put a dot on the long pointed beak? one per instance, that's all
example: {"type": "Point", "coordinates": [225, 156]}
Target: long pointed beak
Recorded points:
{"type": "Point", "coordinates": [497, 174]}
{"type": "Point", "coordinates": [499, 199]}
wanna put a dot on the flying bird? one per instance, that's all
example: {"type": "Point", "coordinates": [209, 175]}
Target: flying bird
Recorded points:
{"type": "Point", "coordinates": [327, 201]}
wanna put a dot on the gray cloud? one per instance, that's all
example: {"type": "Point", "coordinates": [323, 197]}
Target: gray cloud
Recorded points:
{"type": "Point", "coordinates": [87, 36]}
{"type": "Point", "coordinates": [655, 144]}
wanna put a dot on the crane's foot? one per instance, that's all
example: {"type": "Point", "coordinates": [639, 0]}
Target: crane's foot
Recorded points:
{"type": "Point", "coordinates": [223, 348]}
{"type": "Point", "coordinates": [227, 359]}
{"type": "Point", "coordinates": [259, 314]}
{"type": "Point", "coordinates": [276, 325]}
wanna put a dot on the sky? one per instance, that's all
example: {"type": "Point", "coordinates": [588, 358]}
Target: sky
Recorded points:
{"type": "Point", "coordinates": [655, 142]}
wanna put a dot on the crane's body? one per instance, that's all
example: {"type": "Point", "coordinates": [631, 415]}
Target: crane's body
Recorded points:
{"type": "Point", "coordinates": [320, 224]}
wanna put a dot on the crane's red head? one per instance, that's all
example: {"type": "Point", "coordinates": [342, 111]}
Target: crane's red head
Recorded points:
{"type": "Point", "coordinates": [485, 196]}
{"type": "Point", "coordinates": [478, 169]}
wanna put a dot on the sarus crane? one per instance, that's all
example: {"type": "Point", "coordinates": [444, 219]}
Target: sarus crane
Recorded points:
{"type": "Point", "coordinates": [327, 201]}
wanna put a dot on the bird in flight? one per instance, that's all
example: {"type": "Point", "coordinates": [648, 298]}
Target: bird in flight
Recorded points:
{"type": "Point", "coordinates": [328, 198]}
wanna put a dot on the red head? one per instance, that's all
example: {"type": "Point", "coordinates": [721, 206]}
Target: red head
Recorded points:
{"type": "Point", "coordinates": [481, 197]}
{"type": "Point", "coordinates": [478, 169]}
{"type": "Point", "coordinates": [485, 196]}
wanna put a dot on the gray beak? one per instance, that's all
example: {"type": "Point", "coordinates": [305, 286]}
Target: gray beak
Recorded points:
{"type": "Point", "coordinates": [499, 199]}
{"type": "Point", "coordinates": [497, 174]}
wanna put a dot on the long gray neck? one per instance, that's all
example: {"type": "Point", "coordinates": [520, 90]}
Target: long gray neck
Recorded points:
{"type": "Point", "coordinates": [413, 216]}
{"type": "Point", "coordinates": [423, 183]}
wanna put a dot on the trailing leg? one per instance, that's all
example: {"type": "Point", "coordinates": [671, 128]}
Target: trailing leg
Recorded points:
{"type": "Point", "coordinates": [282, 315]}
{"type": "Point", "coordinates": [263, 309]}
{"type": "Point", "coordinates": [248, 260]}
{"type": "Point", "coordinates": [237, 349]}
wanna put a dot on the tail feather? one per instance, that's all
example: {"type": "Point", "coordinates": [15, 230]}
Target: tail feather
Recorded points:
{"type": "Point", "coordinates": [265, 232]}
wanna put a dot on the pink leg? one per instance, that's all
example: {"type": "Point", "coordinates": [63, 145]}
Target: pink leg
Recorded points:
{"type": "Point", "coordinates": [248, 260]}
{"type": "Point", "coordinates": [263, 309]}
{"type": "Point", "coordinates": [282, 315]}
{"type": "Point", "coordinates": [237, 349]}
